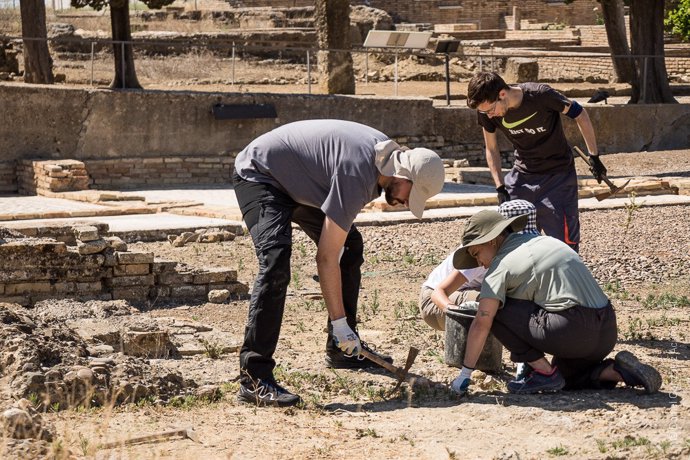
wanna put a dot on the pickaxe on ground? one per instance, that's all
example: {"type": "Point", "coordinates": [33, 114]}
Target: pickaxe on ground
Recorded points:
{"type": "Point", "coordinates": [613, 189]}
{"type": "Point", "coordinates": [186, 433]}
{"type": "Point", "coordinates": [399, 372]}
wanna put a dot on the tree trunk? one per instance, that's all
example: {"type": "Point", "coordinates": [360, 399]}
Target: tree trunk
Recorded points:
{"type": "Point", "coordinates": [38, 66]}
{"type": "Point", "coordinates": [336, 72]}
{"type": "Point", "coordinates": [614, 21]}
{"type": "Point", "coordinates": [647, 37]}
{"type": "Point", "coordinates": [125, 75]}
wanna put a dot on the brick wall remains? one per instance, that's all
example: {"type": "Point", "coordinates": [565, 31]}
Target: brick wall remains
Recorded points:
{"type": "Point", "coordinates": [43, 177]}
{"type": "Point", "coordinates": [8, 177]}
{"type": "Point", "coordinates": [124, 173]}
{"type": "Point", "coordinates": [47, 177]}
{"type": "Point", "coordinates": [33, 269]}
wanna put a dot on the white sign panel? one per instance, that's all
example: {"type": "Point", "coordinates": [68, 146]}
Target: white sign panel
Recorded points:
{"type": "Point", "coordinates": [394, 39]}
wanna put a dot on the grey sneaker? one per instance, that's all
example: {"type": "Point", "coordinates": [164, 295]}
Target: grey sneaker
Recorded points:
{"type": "Point", "coordinates": [537, 382]}
{"type": "Point", "coordinates": [636, 374]}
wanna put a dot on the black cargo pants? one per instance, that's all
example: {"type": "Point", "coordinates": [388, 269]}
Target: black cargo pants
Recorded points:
{"type": "Point", "coordinates": [579, 338]}
{"type": "Point", "coordinates": [268, 213]}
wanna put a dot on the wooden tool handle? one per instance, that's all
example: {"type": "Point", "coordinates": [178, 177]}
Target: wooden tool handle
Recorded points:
{"type": "Point", "coordinates": [608, 182]}
{"type": "Point", "coordinates": [381, 362]}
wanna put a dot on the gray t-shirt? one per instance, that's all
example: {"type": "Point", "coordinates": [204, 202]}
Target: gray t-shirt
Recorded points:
{"type": "Point", "coordinates": [543, 270]}
{"type": "Point", "coordinates": [326, 164]}
{"type": "Point", "coordinates": [535, 130]}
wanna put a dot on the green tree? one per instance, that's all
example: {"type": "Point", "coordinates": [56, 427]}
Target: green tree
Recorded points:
{"type": "Point", "coordinates": [678, 20]}
{"type": "Point", "coordinates": [125, 74]}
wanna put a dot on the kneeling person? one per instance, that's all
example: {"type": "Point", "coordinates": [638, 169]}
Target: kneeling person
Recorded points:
{"type": "Point", "coordinates": [538, 297]}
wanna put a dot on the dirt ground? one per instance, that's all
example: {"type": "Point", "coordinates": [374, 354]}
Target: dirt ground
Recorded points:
{"type": "Point", "coordinates": [640, 255]}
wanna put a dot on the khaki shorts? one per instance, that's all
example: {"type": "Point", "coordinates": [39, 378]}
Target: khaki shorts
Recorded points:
{"type": "Point", "coordinates": [433, 315]}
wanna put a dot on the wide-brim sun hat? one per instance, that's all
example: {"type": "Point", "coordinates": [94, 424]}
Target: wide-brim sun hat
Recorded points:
{"type": "Point", "coordinates": [482, 228]}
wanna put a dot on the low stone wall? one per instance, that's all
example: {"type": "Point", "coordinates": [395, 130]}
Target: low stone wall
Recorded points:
{"type": "Point", "coordinates": [33, 269]}
{"type": "Point", "coordinates": [104, 129]}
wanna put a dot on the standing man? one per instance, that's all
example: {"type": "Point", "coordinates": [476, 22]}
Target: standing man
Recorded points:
{"type": "Point", "coordinates": [529, 114]}
{"type": "Point", "coordinates": [318, 174]}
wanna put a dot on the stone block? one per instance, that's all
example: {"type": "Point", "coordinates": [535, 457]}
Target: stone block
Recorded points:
{"type": "Point", "coordinates": [91, 247]}
{"type": "Point", "coordinates": [122, 281]}
{"type": "Point", "coordinates": [125, 258]}
{"type": "Point", "coordinates": [116, 243]}
{"type": "Point", "coordinates": [188, 292]}
{"type": "Point", "coordinates": [133, 269]}
{"type": "Point", "coordinates": [93, 287]}
{"type": "Point", "coordinates": [232, 287]}
{"type": "Point", "coordinates": [162, 292]}
{"type": "Point", "coordinates": [86, 233]}
{"type": "Point", "coordinates": [151, 344]}
{"type": "Point", "coordinates": [140, 293]}
{"type": "Point", "coordinates": [174, 278]}
{"type": "Point", "coordinates": [23, 300]}
{"type": "Point", "coordinates": [215, 276]}
{"type": "Point", "coordinates": [27, 288]}
{"type": "Point", "coordinates": [218, 295]}
{"type": "Point", "coordinates": [160, 266]}
{"type": "Point", "coordinates": [521, 70]}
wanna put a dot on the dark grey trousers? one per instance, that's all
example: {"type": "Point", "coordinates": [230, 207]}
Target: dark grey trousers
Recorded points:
{"type": "Point", "coordinates": [555, 197]}
{"type": "Point", "coordinates": [579, 338]}
{"type": "Point", "coordinates": [269, 213]}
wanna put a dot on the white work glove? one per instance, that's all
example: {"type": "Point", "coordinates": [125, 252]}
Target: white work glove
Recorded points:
{"type": "Point", "coordinates": [462, 382]}
{"type": "Point", "coordinates": [345, 338]}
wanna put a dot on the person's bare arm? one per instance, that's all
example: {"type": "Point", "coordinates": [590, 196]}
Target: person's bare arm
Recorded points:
{"type": "Point", "coordinates": [449, 285]}
{"type": "Point", "coordinates": [584, 123]}
{"type": "Point", "coordinates": [328, 266]}
{"type": "Point", "coordinates": [479, 331]}
{"type": "Point", "coordinates": [493, 156]}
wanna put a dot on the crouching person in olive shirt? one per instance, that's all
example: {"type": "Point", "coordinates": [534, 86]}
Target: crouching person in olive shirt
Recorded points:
{"type": "Point", "coordinates": [318, 174]}
{"type": "Point", "coordinates": [538, 297]}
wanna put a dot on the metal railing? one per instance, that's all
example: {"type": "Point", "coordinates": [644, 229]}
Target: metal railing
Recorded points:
{"type": "Point", "coordinates": [100, 50]}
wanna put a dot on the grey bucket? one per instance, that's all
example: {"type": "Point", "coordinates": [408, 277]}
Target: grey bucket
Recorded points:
{"type": "Point", "coordinates": [457, 328]}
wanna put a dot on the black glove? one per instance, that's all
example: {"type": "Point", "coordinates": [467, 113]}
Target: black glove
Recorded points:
{"type": "Point", "coordinates": [503, 195]}
{"type": "Point", "coordinates": [597, 168]}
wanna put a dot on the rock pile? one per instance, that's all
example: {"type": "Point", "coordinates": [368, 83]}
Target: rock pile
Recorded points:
{"type": "Point", "coordinates": [68, 354]}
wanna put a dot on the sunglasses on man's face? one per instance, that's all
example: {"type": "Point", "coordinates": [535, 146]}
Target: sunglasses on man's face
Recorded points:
{"type": "Point", "coordinates": [490, 110]}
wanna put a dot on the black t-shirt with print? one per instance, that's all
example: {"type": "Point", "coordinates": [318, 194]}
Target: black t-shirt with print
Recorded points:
{"type": "Point", "coordinates": [535, 130]}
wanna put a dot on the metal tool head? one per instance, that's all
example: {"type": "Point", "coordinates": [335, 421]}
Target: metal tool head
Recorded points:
{"type": "Point", "coordinates": [192, 435]}
{"type": "Point", "coordinates": [613, 189]}
{"type": "Point", "coordinates": [402, 373]}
